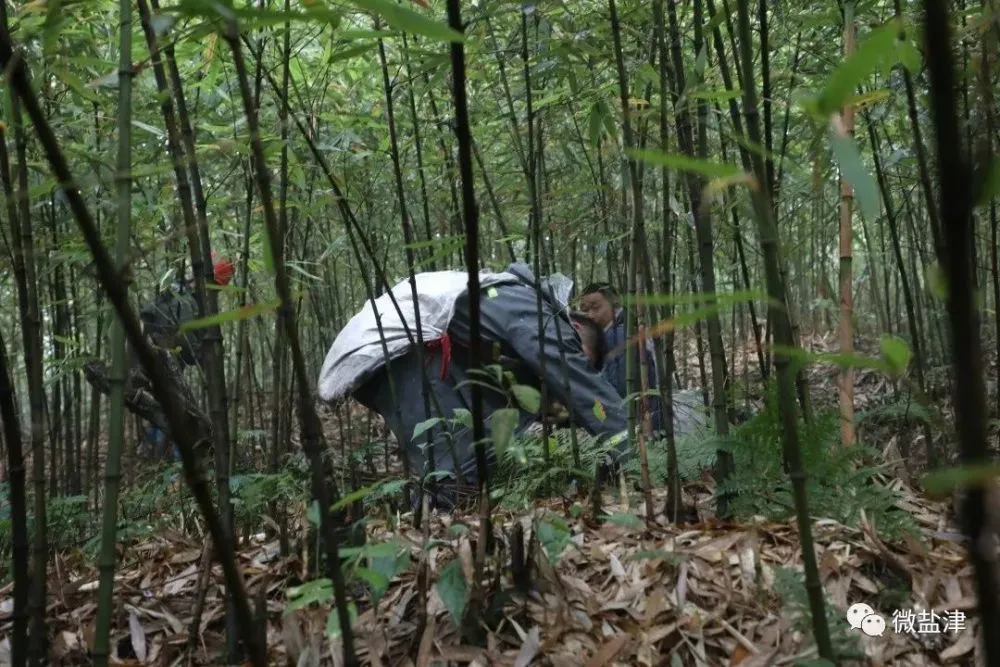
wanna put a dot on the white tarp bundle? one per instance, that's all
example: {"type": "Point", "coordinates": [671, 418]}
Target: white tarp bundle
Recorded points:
{"type": "Point", "coordinates": [357, 351]}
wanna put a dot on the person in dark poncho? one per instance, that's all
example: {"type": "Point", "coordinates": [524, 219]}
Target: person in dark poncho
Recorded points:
{"type": "Point", "coordinates": [602, 304]}
{"type": "Point", "coordinates": [161, 318]}
{"type": "Point", "coordinates": [509, 332]}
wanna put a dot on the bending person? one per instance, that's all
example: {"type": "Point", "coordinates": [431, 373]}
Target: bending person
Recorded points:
{"type": "Point", "coordinates": [508, 302]}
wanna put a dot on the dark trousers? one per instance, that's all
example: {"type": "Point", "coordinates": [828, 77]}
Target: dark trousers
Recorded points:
{"type": "Point", "coordinates": [453, 443]}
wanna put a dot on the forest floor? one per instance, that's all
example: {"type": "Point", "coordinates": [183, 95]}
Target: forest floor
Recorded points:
{"type": "Point", "coordinates": [623, 592]}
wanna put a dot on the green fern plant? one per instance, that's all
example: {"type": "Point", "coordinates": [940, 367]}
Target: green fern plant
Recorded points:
{"type": "Point", "coordinates": [838, 482]}
{"type": "Point", "coordinates": [789, 585]}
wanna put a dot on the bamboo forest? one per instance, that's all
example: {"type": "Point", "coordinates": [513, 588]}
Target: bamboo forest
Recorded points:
{"type": "Point", "coordinates": [430, 332]}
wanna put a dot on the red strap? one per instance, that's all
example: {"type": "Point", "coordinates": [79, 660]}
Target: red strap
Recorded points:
{"type": "Point", "coordinates": [444, 344]}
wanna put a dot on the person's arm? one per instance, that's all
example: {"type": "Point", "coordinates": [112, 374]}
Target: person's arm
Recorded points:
{"type": "Point", "coordinates": [591, 396]}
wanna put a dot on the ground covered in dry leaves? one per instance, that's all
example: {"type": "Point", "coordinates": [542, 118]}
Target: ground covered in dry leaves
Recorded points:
{"type": "Point", "coordinates": [620, 593]}
{"type": "Point", "coordinates": [617, 593]}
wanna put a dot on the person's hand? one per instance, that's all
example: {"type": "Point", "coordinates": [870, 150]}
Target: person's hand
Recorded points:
{"type": "Point", "coordinates": [557, 413]}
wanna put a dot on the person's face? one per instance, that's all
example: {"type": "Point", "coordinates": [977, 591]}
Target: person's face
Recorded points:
{"type": "Point", "coordinates": [598, 308]}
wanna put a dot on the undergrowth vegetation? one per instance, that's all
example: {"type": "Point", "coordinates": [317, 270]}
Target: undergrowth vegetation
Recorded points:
{"type": "Point", "coordinates": [841, 482]}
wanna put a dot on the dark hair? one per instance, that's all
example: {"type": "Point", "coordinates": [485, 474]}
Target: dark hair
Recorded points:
{"type": "Point", "coordinates": [588, 327]}
{"type": "Point", "coordinates": [605, 290]}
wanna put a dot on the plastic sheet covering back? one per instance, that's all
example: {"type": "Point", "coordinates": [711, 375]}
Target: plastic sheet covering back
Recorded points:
{"type": "Point", "coordinates": [561, 287]}
{"type": "Point", "coordinates": [357, 352]}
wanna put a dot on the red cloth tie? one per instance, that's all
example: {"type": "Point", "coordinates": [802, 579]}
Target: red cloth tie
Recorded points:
{"type": "Point", "coordinates": [444, 344]}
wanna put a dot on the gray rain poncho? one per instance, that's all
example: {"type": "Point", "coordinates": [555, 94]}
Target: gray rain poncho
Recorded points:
{"type": "Point", "coordinates": [355, 364]}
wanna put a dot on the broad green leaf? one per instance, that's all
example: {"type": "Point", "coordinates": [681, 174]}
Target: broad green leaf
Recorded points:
{"type": "Point", "coordinates": [243, 313]}
{"type": "Point", "coordinates": [404, 18]}
{"type": "Point", "coordinates": [941, 483]}
{"type": "Point", "coordinates": [463, 417]}
{"type": "Point", "coordinates": [502, 425]}
{"type": "Point", "coordinates": [684, 163]}
{"type": "Point", "coordinates": [529, 398]}
{"type": "Point", "coordinates": [841, 359]}
{"type": "Point", "coordinates": [422, 427]}
{"type": "Point", "coordinates": [846, 153]}
{"type": "Point", "coordinates": [908, 55]}
{"type": "Point", "coordinates": [390, 566]}
{"type": "Point", "coordinates": [453, 590]}
{"type": "Point", "coordinates": [377, 581]}
{"type": "Point", "coordinates": [333, 625]}
{"type": "Point", "coordinates": [319, 591]}
{"type": "Point", "coordinates": [896, 352]}
{"type": "Point", "coordinates": [871, 52]}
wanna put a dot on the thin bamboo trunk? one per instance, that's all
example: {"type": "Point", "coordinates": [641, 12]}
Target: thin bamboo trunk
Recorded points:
{"type": "Point", "coordinates": [846, 329]}
{"type": "Point", "coordinates": [116, 399]}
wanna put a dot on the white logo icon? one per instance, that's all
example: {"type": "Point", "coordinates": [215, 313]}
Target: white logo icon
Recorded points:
{"type": "Point", "coordinates": [862, 617]}
{"type": "Point", "coordinates": [873, 625]}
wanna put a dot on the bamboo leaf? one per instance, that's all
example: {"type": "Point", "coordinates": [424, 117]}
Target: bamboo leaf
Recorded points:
{"type": "Point", "coordinates": [529, 398]}
{"type": "Point", "coordinates": [685, 163]}
{"type": "Point", "coordinates": [595, 124]}
{"type": "Point", "coordinates": [896, 353]}
{"type": "Point", "coordinates": [502, 425]}
{"type": "Point", "coordinates": [422, 427]}
{"type": "Point", "coordinates": [229, 316]}
{"type": "Point", "coordinates": [149, 128]}
{"type": "Point", "coordinates": [453, 590]}
{"type": "Point", "coordinates": [333, 629]}
{"type": "Point", "coordinates": [870, 54]}
{"type": "Point", "coordinates": [846, 153]}
{"type": "Point", "coordinates": [404, 18]}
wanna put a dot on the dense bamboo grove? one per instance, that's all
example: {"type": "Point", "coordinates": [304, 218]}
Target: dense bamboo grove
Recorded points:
{"type": "Point", "coordinates": [773, 188]}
